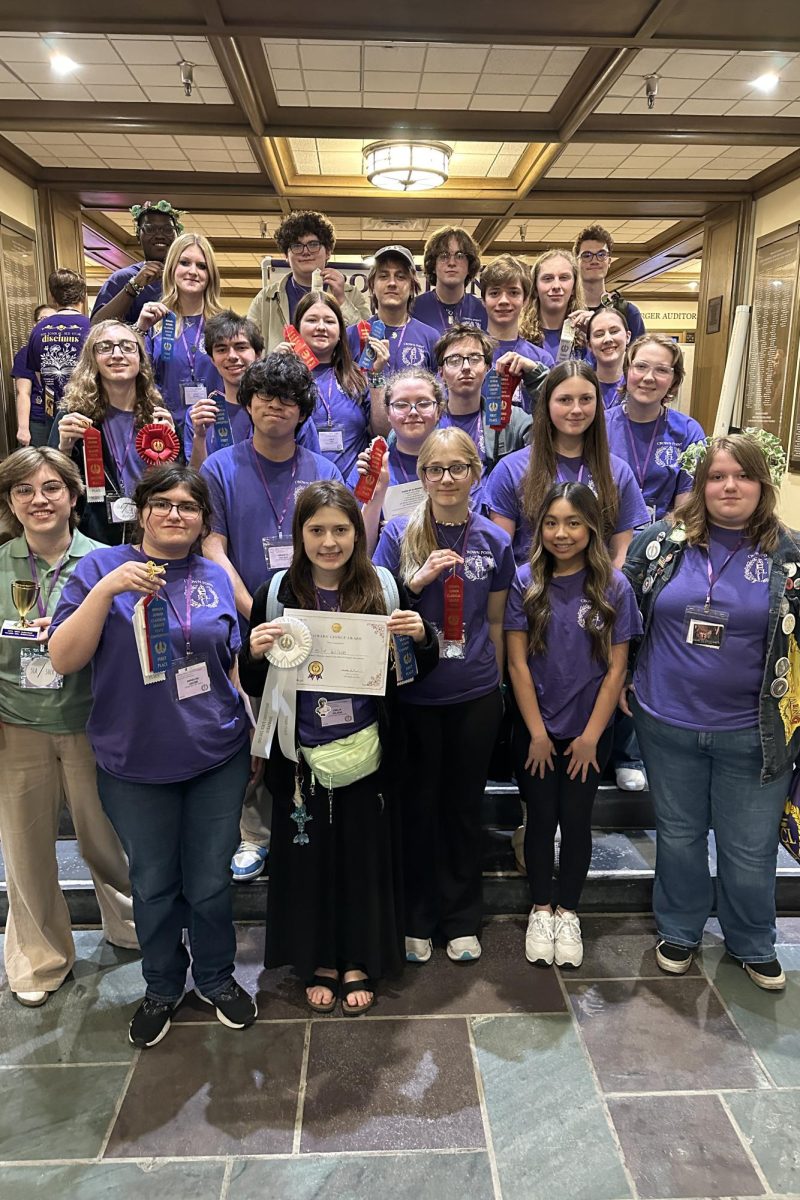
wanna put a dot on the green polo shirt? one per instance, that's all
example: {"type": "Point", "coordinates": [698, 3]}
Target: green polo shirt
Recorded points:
{"type": "Point", "coordinates": [51, 710]}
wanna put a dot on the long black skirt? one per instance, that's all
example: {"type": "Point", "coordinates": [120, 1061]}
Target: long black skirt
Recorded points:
{"type": "Point", "coordinates": [337, 901]}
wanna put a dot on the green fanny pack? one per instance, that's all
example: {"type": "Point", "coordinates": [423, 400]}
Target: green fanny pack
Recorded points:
{"type": "Point", "coordinates": [346, 760]}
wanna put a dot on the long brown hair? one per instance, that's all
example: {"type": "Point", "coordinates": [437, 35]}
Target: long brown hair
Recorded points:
{"type": "Point", "coordinates": [85, 393]}
{"type": "Point", "coordinates": [599, 619]}
{"type": "Point", "coordinates": [764, 527]}
{"type": "Point", "coordinates": [530, 322]}
{"type": "Point", "coordinates": [350, 377]}
{"type": "Point", "coordinates": [543, 464]}
{"type": "Point", "coordinates": [360, 589]}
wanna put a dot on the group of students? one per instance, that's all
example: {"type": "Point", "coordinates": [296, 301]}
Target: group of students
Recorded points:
{"type": "Point", "coordinates": [546, 549]}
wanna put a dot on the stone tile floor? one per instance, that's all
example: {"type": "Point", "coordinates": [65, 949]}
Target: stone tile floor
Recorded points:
{"type": "Point", "coordinates": [466, 1082]}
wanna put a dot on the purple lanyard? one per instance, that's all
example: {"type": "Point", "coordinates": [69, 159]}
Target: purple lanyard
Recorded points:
{"type": "Point", "coordinates": [326, 400]}
{"type": "Point", "coordinates": [713, 576]}
{"type": "Point", "coordinates": [120, 463]}
{"type": "Point", "coordinates": [563, 479]}
{"type": "Point", "coordinates": [191, 358]}
{"type": "Point", "coordinates": [42, 603]}
{"type": "Point", "coordinates": [279, 518]}
{"type": "Point", "coordinates": [475, 431]}
{"type": "Point", "coordinates": [399, 464]}
{"type": "Point", "coordinates": [186, 625]}
{"type": "Point", "coordinates": [641, 467]}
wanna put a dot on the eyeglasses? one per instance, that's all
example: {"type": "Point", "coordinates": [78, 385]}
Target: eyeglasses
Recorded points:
{"type": "Point", "coordinates": [304, 247]}
{"type": "Point", "coordinates": [51, 490]}
{"type": "Point", "coordinates": [455, 360]}
{"type": "Point", "coordinates": [403, 407]}
{"type": "Point", "coordinates": [644, 368]}
{"type": "Point", "coordinates": [588, 255]}
{"type": "Point", "coordinates": [284, 401]}
{"type": "Point", "coordinates": [456, 470]}
{"type": "Point", "coordinates": [148, 227]}
{"type": "Point", "coordinates": [128, 348]}
{"type": "Point", "coordinates": [186, 508]}
{"type": "Point", "coordinates": [458, 256]}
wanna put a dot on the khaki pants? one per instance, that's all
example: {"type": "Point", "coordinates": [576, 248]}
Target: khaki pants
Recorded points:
{"type": "Point", "coordinates": [34, 768]}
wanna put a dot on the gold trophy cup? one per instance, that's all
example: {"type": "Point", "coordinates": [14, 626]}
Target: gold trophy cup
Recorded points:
{"type": "Point", "coordinates": [23, 596]}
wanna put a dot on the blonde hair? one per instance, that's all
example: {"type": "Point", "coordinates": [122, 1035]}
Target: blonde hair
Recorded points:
{"type": "Point", "coordinates": [530, 323]}
{"type": "Point", "coordinates": [419, 538]}
{"type": "Point", "coordinates": [85, 393]}
{"type": "Point", "coordinates": [675, 353]}
{"type": "Point", "coordinates": [763, 527]}
{"type": "Point", "coordinates": [18, 468]}
{"type": "Point", "coordinates": [212, 303]}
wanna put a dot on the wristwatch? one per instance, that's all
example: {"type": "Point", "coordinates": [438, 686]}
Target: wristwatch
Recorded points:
{"type": "Point", "coordinates": [133, 288]}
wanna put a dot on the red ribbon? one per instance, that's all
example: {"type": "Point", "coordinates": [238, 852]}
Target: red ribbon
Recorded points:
{"type": "Point", "coordinates": [508, 385]}
{"type": "Point", "coordinates": [453, 630]}
{"type": "Point", "coordinates": [364, 331]}
{"type": "Point", "coordinates": [157, 444]}
{"type": "Point", "coordinates": [301, 348]}
{"type": "Point", "coordinates": [365, 488]}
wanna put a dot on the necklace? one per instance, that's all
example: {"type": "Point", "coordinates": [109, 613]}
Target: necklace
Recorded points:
{"type": "Point", "coordinates": [452, 524]}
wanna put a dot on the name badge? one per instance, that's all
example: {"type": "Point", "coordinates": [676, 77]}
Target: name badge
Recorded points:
{"type": "Point", "coordinates": [191, 678]}
{"type": "Point", "coordinates": [278, 552]}
{"type": "Point", "coordinates": [331, 440]}
{"type": "Point", "coordinates": [36, 670]}
{"type": "Point", "coordinates": [120, 510]}
{"type": "Point", "coordinates": [335, 712]}
{"type": "Point", "coordinates": [705, 627]}
{"type": "Point", "coordinates": [192, 392]}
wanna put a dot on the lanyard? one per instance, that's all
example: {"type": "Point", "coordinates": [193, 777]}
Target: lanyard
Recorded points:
{"type": "Point", "coordinates": [279, 517]}
{"type": "Point", "coordinates": [120, 463]}
{"type": "Point", "coordinates": [398, 462]}
{"type": "Point", "coordinates": [43, 602]}
{"type": "Point", "coordinates": [641, 467]}
{"type": "Point", "coordinates": [191, 355]}
{"type": "Point", "coordinates": [713, 576]}
{"type": "Point", "coordinates": [330, 384]}
{"type": "Point", "coordinates": [563, 479]}
{"type": "Point", "coordinates": [186, 625]}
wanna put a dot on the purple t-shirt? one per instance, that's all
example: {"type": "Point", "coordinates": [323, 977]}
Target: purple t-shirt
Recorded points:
{"type": "Point", "coordinates": [432, 311]}
{"type": "Point", "coordinates": [652, 449]}
{"type": "Point", "coordinates": [472, 425]}
{"type": "Point", "coordinates": [119, 434]}
{"type": "Point", "coordinates": [142, 732]}
{"type": "Point", "coordinates": [242, 511]}
{"type": "Point", "coordinates": [410, 345]}
{"type": "Point", "coordinates": [520, 346]}
{"type": "Point", "coordinates": [340, 420]}
{"type": "Point", "coordinates": [611, 393]}
{"type": "Point", "coordinates": [294, 294]}
{"type": "Point", "coordinates": [503, 494]}
{"type": "Point", "coordinates": [116, 282]}
{"type": "Point", "coordinates": [567, 677]}
{"type": "Point", "coordinates": [242, 429]}
{"type": "Point", "coordinates": [488, 567]}
{"type": "Point", "coordinates": [54, 348]}
{"type": "Point", "coordinates": [402, 468]}
{"type": "Point", "coordinates": [189, 364]}
{"type": "Point", "coordinates": [19, 370]}
{"type": "Point", "coordinates": [697, 687]}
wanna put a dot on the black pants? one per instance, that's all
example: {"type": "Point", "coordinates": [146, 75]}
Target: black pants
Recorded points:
{"type": "Point", "coordinates": [449, 748]}
{"type": "Point", "coordinates": [557, 801]}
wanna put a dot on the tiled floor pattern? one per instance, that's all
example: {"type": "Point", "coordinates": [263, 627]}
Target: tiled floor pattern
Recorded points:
{"type": "Point", "coordinates": [470, 1082]}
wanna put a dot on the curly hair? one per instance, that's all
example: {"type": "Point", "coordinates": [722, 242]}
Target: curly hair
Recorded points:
{"type": "Point", "coordinates": [530, 323]}
{"type": "Point", "coordinates": [300, 224]}
{"type": "Point", "coordinates": [283, 376]}
{"type": "Point", "coordinates": [599, 620]}
{"type": "Point", "coordinates": [348, 374]}
{"type": "Point", "coordinates": [211, 297]}
{"type": "Point", "coordinates": [18, 468]}
{"type": "Point", "coordinates": [360, 589]}
{"type": "Point", "coordinates": [593, 233]}
{"type": "Point", "coordinates": [438, 243]}
{"type": "Point", "coordinates": [85, 392]}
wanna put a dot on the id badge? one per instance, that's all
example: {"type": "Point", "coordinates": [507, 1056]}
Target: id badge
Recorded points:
{"type": "Point", "coordinates": [331, 439]}
{"type": "Point", "coordinates": [190, 677]}
{"type": "Point", "coordinates": [651, 513]}
{"type": "Point", "coordinates": [120, 510]}
{"type": "Point", "coordinates": [335, 712]}
{"type": "Point", "coordinates": [448, 649]}
{"type": "Point", "coordinates": [36, 670]}
{"type": "Point", "coordinates": [277, 552]}
{"type": "Point", "coordinates": [192, 392]}
{"type": "Point", "coordinates": [705, 627]}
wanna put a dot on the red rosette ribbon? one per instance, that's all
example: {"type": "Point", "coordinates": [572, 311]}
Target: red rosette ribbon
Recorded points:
{"type": "Point", "coordinates": [157, 444]}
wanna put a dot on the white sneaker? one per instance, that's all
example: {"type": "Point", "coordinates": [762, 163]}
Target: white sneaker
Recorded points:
{"type": "Point", "coordinates": [569, 943]}
{"type": "Point", "coordinates": [418, 950]}
{"type": "Point", "coordinates": [540, 937]}
{"type": "Point", "coordinates": [464, 949]}
{"type": "Point", "coordinates": [518, 846]}
{"type": "Point", "coordinates": [631, 779]}
{"type": "Point", "coordinates": [31, 999]}
{"type": "Point", "coordinates": [248, 862]}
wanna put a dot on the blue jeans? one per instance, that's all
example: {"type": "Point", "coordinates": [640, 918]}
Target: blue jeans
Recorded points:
{"type": "Point", "coordinates": [711, 780]}
{"type": "Point", "coordinates": [179, 838]}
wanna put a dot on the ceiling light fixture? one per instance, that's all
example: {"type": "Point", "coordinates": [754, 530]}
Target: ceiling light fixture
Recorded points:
{"type": "Point", "coordinates": [407, 166]}
{"type": "Point", "coordinates": [766, 83]}
{"type": "Point", "coordinates": [61, 64]}
{"type": "Point", "coordinates": [694, 285]}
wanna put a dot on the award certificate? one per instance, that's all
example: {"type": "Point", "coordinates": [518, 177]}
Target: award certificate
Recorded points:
{"type": "Point", "coordinates": [402, 498]}
{"type": "Point", "coordinates": [349, 652]}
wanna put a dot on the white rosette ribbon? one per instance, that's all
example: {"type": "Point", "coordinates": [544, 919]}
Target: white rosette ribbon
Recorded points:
{"type": "Point", "coordinates": [279, 698]}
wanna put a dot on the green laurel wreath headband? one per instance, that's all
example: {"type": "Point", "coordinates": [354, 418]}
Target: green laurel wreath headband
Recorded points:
{"type": "Point", "coordinates": [160, 206]}
{"type": "Point", "coordinates": [773, 452]}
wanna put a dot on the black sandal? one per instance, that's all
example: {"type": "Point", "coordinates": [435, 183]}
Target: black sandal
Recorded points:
{"type": "Point", "coordinates": [324, 981]}
{"type": "Point", "coordinates": [357, 985]}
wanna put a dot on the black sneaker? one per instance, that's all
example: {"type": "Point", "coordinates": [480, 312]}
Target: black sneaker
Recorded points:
{"type": "Point", "coordinates": [150, 1023]}
{"type": "Point", "coordinates": [235, 1008]}
{"type": "Point", "coordinates": [767, 975]}
{"type": "Point", "coordinates": [673, 959]}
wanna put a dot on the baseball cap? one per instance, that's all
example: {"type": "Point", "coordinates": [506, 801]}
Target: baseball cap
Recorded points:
{"type": "Point", "coordinates": [400, 251]}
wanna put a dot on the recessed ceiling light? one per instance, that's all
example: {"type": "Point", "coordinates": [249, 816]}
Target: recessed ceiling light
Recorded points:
{"type": "Point", "coordinates": [694, 285]}
{"type": "Point", "coordinates": [62, 65]}
{"type": "Point", "coordinates": [766, 83]}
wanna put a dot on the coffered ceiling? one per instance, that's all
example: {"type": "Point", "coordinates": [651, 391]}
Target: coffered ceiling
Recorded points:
{"type": "Point", "coordinates": [543, 106]}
